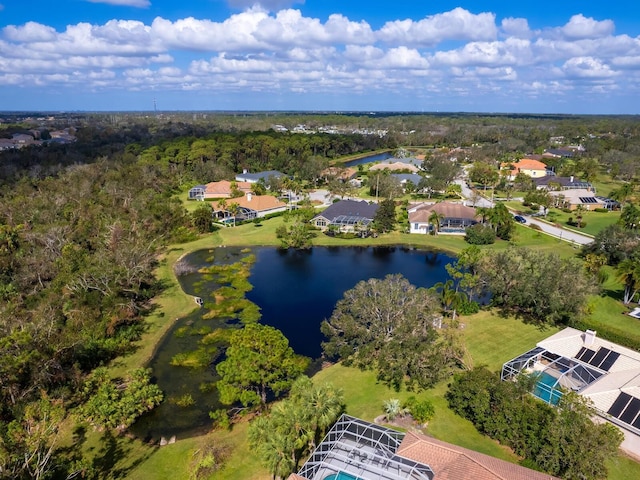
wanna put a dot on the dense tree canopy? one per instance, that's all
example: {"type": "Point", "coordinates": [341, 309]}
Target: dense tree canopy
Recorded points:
{"type": "Point", "coordinates": [259, 364]}
{"type": "Point", "coordinates": [537, 285]}
{"type": "Point", "coordinates": [391, 326]}
{"type": "Point", "coordinates": [295, 426]}
{"type": "Point", "coordinates": [614, 242]}
{"type": "Point", "coordinates": [82, 226]}
{"type": "Point", "coordinates": [385, 218]}
{"type": "Point", "coordinates": [563, 441]}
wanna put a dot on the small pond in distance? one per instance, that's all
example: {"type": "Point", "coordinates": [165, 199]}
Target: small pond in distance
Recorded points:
{"type": "Point", "coordinates": [378, 157]}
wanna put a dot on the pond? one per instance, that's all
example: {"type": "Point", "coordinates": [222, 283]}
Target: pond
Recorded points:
{"type": "Point", "coordinates": [295, 291]}
{"type": "Point", "coordinates": [378, 157]}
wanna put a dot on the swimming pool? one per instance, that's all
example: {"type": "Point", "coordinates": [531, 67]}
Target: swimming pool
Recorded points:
{"type": "Point", "coordinates": [341, 476]}
{"type": "Point", "coordinates": [546, 389]}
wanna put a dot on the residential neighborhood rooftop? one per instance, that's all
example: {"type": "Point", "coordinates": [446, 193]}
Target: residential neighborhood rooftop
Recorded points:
{"type": "Point", "coordinates": [606, 373]}
{"type": "Point", "coordinates": [356, 449]}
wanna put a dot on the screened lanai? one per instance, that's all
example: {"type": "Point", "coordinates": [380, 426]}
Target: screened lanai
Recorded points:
{"type": "Point", "coordinates": [452, 225]}
{"type": "Point", "coordinates": [350, 222]}
{"type": "Point", "coordinates": [555, 373]}
{"type": "Point", "coordinates": [355, 449]}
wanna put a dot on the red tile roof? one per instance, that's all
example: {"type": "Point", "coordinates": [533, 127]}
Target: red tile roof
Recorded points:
{"type": "Point", "coordinates": [450, 462]}
{"type": "Point", "coordinates": [223, 188]}
{"type": "Point", "coordinates": [259, 203]}
{"type": "Point", "coordinates": [447, 209]}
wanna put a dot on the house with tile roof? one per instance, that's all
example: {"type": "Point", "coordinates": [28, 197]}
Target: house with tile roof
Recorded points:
{"type": "Point", "coordinates": [606, 373]}
{"type": "Point", "coordinates": [527, 166]}
{"type": "Point", "coordinates": [221, 189]}
{"type": "Point", "coordinates": [342, 173]}
{"type": "Point", "coordinates": [577, 198]}
{"type": "Point", "coordinates": [455, 217]}
{"type": "Point", "coordinates": [247, 207]}
{"type": "Point", "coordinates": [358, 450]}
{"type": "Point", "coordinates": [554, 183]}
{"type": "Point", "coordinates": [398, 164]}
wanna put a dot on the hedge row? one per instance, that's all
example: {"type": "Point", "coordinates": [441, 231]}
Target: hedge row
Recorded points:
{"type": "Point", "coordinates": [610, 333]}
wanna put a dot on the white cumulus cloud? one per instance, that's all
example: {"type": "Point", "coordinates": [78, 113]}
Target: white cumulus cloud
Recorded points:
{"type": "Point", "coordinates": [588, 67]}
{"type": "Point", "coordinates": [29, 32]}
{"type": "Point", "coordinates": [457, 24]}
{"type": "Point", "coordinates": [270, 5]}
{"type": "Point", "coordinates": [580, 26]}
{"type": "Point", "coordinates": [516, 27]}
{"type": "Point", "coordinates": [277, 49]}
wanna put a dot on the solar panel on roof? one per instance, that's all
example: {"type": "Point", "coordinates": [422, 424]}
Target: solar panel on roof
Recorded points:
{"type": "Point", "coordinates": [599, 357]}
{"type": "Point", "coordinates": [619, 404]}
{"type": "Point", "coordinates": [631, 411]}
{"type": "Point", "coordinates": [636, 422]}
{"type": "Point", "coordinates": [585, 354]}
{"type": "Point", "coordinates": [588, 199]}
{"type": "Point", "coordinates": [608, 362]}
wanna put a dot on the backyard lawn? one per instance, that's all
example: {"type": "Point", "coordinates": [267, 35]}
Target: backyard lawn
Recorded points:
{"type": "Point", "coordinates": [363, 394]}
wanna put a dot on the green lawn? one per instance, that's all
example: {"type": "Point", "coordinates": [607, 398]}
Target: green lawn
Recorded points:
{"type": "Point", "coordinates": [594, 221]}
{"type": "Point", "coordinates": [490, 340]}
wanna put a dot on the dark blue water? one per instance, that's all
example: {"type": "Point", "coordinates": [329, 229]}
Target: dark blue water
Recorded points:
{"type": "Point", "coordinates": [296, 290]}
{"type": "Point", "coordinates": [372, 158]}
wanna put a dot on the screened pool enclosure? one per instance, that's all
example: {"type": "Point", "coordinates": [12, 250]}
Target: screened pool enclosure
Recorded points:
{"type": "Point", "coordinates": [355, 449]}
{"type": "Point", "coordinates": [555, 373]}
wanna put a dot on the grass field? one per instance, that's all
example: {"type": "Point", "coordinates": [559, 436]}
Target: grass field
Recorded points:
{"type": "Point", "coordinates": [490, 340]}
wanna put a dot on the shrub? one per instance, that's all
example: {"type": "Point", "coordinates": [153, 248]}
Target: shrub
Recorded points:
{"type": "Point", "coordinates": [468, 307]}
{"type": "Point", "coordinates": [220, 419]}
{"type": "Point", "coordinates": [421, 411]}
{"type": "Point", "coordinates": [392, 408]}
{"type": "Point", "coordinates": [574, 223]}
{"type": "Point", "coordinates": [480, 234]}
{"type": "Point", "coordinates": [601, 210]}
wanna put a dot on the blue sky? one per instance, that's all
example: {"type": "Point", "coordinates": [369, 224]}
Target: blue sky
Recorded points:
{"type": "Point", "coordinates": [484, 56]}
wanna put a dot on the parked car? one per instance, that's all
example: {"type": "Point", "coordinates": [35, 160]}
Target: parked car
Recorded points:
{"type": "Point", "coordinates": [520, 219]}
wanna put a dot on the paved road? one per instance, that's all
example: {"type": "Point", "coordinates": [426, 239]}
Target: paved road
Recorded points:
{"type": "Point", "coordinates": [474, 200]}
{"type": "Point", "coordinates": [561, 233]}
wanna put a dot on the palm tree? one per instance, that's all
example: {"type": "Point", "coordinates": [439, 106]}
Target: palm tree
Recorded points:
{"type": "Point", "coordinates": [324, 403]}
{"type": "Point", "coordinates": [234, 208]}
{"type": "Point", "coordinates": [222, 206]}
{"type": "Point", "coordinates": [453, 189]}
{"type": "Point", "coordinates": [435, 219]}
{"type": "Point", "coordinates": [392, 408]}
{"type": "Point", "coordinates": [483, 212]}
{"type": "Point", "coordinates": [501, 220]}
{"type": "Point", "coordinates": [450, 297]}
{"type": "Point", "coordinates": [274, 446]}
{"type": "Point", "coordinates": [623, 193]}
{"type": "Point", "coordinates": [629, 273]}
{"type": "Point", "coordinates": [579, 210]}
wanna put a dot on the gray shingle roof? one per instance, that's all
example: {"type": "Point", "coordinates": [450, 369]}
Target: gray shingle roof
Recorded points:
{"type": "Point", "coordinates": [350, 208]}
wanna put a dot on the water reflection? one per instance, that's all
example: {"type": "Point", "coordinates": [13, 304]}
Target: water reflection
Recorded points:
{"type": "Point", "coordinates": [295, 291]}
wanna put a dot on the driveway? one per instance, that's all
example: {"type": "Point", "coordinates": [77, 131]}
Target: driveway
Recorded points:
{"type": "Point", "coordinates": [475, 200]}
{"type": "Point", "coordinates": [559, 232]}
